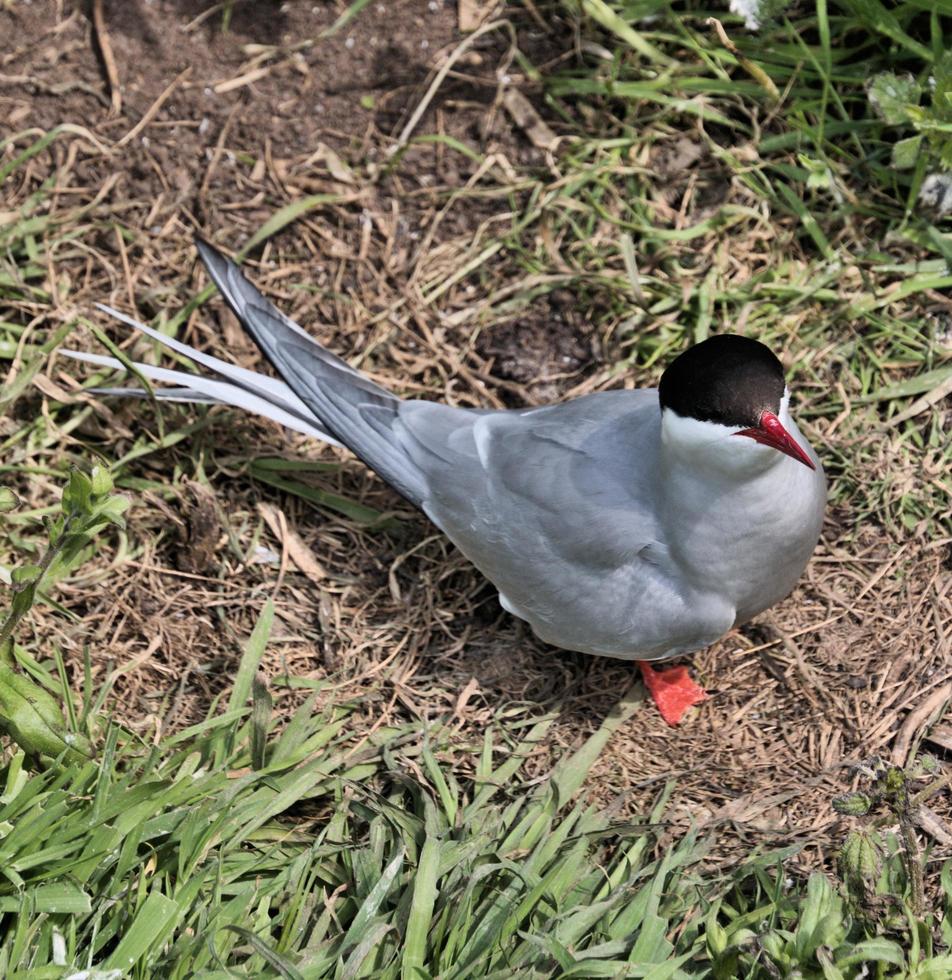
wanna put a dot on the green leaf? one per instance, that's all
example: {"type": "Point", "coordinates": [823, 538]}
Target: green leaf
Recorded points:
{"type": "Point", "coordinates": [569, 773]}
{"type": "Point", "coordinates": [370, 906]}
{"type": "Point", "coordinates": [280, 963]}
{"type": "Point", "coordinates": [112, 510]}
{"type": "Point", "coordinates": [874, 15]}
{"type": "Point", "coordinates": [808, 221]}
{"type": "Point", "coordinates": [33, 718]}
{"type": "Point", "coordinates": [350, 12]}
{"type": "Point", "coordinates": [891, 95]}
{"type": "Point", "coordinates": [821, 918]}
{"type": "Point", "coordinates": [69, 547]}
{"type": "Point", "coordinates": [861, 855]}
{"type": "Point", "coordinates": [853, 804]}
{"type": "Point", "coordinates": [936, 968]}
{"type": "Point", "coordinates": [876, 950]}
{"type": "Point", "coordinates": [606, 16]}
{"type": "Point", "coordinates": [906, 152]}
{"type": "Point", "coordinates": [942, 90]}
{"type": "Point", "coordinates": [76, 496]}
{"type": "Point", "coordinates": [652, 946]}
{"type": "Point", "coordinates": [277, 463]}
{"type": "Point", "coordinates": [714, 934]}
{"type": "Point", "coordinates": [55, 528]}
{"type": "Point", "coordinates": [22, 601]}
{"type": "Point", "coordinates": [100, 481]}
{"type": "Point", "coordinates": [153, 918]}
{"type": "Point", "coordinates": [911, 386]}
{"type": "Point", "coordinates": [31, 151]}
{"type": "Point", "coordinates": [8, 500]}
{"type": "Point", "coordinates": [26, 574]}
{"type": "Point", "coordinates": [16, 778]}
{"type": "Point", "coordinates": [11, 392]}
{"type": "Point", "coordinates": [56, 898]}
{"type": "Point", "coordinates": [254, 651]}
{"type": "Point", "coordinates": [421, 910]}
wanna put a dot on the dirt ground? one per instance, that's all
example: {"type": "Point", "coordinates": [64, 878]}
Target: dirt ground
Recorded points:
{"type": "Point", "coordinates": [216, 129]}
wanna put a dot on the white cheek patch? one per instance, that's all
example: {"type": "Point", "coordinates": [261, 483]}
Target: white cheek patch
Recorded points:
{"type": "Point", "coordinates": [688, 433]}
{"type": "Point", "coordinates": [712, 448]}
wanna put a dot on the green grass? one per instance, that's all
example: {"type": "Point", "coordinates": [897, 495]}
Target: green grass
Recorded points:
{"type": "Point", "coordinates": [233, 850]}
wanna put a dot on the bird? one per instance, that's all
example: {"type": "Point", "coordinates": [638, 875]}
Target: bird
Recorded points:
{"type": "Point", "coordinates": [637, 524]}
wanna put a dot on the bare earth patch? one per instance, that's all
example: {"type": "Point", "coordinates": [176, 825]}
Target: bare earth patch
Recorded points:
{"type": "Point", "coordinates": [393, 269]}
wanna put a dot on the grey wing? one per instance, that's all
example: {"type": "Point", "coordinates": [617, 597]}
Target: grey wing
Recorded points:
{"type": "Point", "coordinates": [557, 506]}
{"type": "Point", "coordinates": [563, 466]}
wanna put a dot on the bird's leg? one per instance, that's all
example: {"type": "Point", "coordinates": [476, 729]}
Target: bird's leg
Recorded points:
{"type": "Point", "coordinates": [672, 690]}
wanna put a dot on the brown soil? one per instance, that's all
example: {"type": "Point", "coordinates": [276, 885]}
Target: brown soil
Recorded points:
{"type": "Point", "coordinates": [215, 133]}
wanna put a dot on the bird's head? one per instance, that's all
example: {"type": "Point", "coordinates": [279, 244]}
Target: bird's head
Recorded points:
{"type": "Point", "coordinates": [724, 403]}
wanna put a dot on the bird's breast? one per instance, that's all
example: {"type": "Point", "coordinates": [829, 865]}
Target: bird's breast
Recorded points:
{"type": "Point", "coordinates": [748, 543]}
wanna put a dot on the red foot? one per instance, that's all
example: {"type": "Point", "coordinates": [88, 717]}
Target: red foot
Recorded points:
{"type": "Point", "coordinates": [672, 690]}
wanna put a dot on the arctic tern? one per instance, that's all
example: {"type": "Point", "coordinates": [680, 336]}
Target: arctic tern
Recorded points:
{"type": "Point", "coordinates": [636, 524]}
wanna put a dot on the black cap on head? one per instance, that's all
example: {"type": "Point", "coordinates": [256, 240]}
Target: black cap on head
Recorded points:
{"type": "Point", "coordinates": [728, 379]}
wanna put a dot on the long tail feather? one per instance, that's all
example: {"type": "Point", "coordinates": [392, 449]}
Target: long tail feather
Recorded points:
{"type": "Point", "coordinates": [361, 414]}
{"type": "Point", "coordinates": [261, 385]}
{"type": "Point", "coordinates": [184, 396]}
{"type": "Point", "coordinates": [196, 388]}
{"type": "Point", "coordinates": [320, 395]}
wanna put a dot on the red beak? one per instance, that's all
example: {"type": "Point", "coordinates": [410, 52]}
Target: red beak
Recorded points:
{"type": "Point", "coordinates": [771, 433]}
